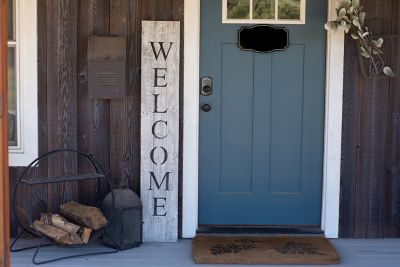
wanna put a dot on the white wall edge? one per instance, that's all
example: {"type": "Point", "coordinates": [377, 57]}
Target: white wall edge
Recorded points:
{"type": "Point", "coordinates": [28, 105]}
{"type": "Point", "coordinates": [191, 117]}
{"type": "Point", "coordinates": [333, 124]}
{"type": "Point", "coordinates": [333, 129]}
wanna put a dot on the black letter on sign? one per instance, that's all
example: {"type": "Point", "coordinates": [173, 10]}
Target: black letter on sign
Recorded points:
{"type": "Point", "coordinates": [158, 76]}
{"type": "Point", "coordinates": [156, 206]}
{"type": "Point", "coordinates": [161, 50]}
{"type": "Point", "coordinates": [156, 105]}
{"type": "Point", "coordinates": [158, 185]}
{"type": "Point", "coordinates": [165, 155]}
{"type": "Point", "coordinates": [153, 129]}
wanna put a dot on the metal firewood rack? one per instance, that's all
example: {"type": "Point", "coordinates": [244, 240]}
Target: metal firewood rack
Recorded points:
{"type": "Point", "coordinates": [28, 209]}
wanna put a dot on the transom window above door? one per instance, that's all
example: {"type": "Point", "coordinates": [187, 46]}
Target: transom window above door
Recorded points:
{"type": "Point", "coordinates": [264, 11]}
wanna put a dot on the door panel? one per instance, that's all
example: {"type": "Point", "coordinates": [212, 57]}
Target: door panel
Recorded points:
{"type": "Point", "coordinates": [235, 167]}
{"type": "Point", "coordinates": [261, 144]}
{"type": "Point", "coordinates": [286, 117]}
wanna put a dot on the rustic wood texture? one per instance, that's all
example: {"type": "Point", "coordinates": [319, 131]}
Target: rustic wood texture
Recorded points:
{"type": "Point", "coordinates": [107, 129]}
{"type": "Point", "coordinates": [160, 130]}
{"type": "Point", "coordinates": [62, 95]}
{"type": "Point", "coordinates": [133, 81]}
{"type": "Point", "coordinates": [170, 10]}
{"type": "Point", "coordinates": [393, 187]}
{"type": "Point", "coordinates": [56, 234]}
{"type": "Point", "coordinates": [121, 110]}
{"type": "Point", "coordinates": [371, 125]}
{"type": "Point", "coordinates": [42, 99]}
{"type": "Point", "coordinates": [87, 216]}
{"type": "Point", "coordinates": [4, 177]}
{"type": "Point", "coordinates": [370, 176]}
{"type": "Point", "coordinates": [62, 223]}
{"type": "Point", "coordinates": [85, 236]}
{"type": "Point", "coordinates": [14, 174]}
{"type": "Point", "coordinates": [94, 114]}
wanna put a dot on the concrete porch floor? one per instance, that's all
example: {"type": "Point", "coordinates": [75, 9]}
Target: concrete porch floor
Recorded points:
{"type": "Point", "coordinates": [353, 252]}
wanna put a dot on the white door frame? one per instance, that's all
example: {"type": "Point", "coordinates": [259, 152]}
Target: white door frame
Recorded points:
{"type": "Point", "coordinates": [333, 123]}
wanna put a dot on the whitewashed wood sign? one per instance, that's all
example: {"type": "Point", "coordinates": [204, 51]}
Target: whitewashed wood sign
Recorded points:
{"type": "Point", "coordinates": [160, 130]}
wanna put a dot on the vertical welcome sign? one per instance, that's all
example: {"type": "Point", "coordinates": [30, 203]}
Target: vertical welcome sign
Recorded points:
{"type": "Point", "coordinates": [160, 130]}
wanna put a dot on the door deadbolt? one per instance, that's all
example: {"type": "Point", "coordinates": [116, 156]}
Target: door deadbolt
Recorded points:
{"type": "Point", "coordinates": [206, 86]}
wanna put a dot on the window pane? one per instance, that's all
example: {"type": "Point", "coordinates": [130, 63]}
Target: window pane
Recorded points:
{"type": "Point", "coordinates": [10, 21]}
{"type": "Point", "coordinates": [12, 98]}
{"type": "Point", "coordinates": [238, 9]}
{"type": "Point", "coordinates": [264, 9]}
{"type": "Point", "coordinates": [289, 9]}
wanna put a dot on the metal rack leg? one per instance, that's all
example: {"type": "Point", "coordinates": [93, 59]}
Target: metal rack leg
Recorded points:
{"type": "Point", "coordinates": [36, 252]}
{"type": "Point", "coordinates": [66, 257]}
{"type": "Point", "coordinates": [12, 249]}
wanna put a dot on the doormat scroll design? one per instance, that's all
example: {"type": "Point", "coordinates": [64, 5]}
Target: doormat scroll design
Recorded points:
{"type": "Point", "coordinates": [298, 248]}
{"type": "Point", "coordinates": [235, 247]}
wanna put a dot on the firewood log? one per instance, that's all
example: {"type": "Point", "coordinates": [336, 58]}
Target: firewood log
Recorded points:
{"type": "Point", "coordinates": [85, 236]}
{"type": "Point", "coordinates": [59, 222]}
{"type": "Point", "coordinates": [87, 216]}
{"type": "Point", "coordinates": [62, 223]}
{"type": "Point", "coordinates": [56, 234]}
{"type": "Point", "coordinates": [46, 218]}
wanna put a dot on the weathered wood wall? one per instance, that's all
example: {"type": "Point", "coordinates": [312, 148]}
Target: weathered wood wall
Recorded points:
{"type": "Point", "coordinates": [370, 190]}
{"type": "Point", "coordinates": [107, 129]}
{"type": "Point", "coordinates": [370, 193]}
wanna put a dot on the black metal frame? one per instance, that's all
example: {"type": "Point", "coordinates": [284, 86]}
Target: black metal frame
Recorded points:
{"type": "Point", "coordinates": [99, 174]}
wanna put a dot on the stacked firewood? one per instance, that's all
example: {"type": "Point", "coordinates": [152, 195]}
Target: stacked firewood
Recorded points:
{"type": "Point", "coordinates": [74, 224]}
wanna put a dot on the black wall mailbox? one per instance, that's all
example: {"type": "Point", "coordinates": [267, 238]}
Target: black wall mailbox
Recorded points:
{"type": "Point", "coordinates": [263, 38]}
{"type": "Point", "coordinates": [107, 67]}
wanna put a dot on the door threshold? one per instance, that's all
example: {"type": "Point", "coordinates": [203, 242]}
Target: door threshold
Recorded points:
{"type": "Point", "coordinates": [261, 230]}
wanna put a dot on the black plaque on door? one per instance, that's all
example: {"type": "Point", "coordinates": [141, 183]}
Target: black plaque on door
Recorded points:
{"type": "Point", "coordinates": [263, 38]}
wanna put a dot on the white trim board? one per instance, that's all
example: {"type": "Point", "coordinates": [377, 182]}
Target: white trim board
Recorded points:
{"type": "Point", "coordinates": [333, 123]}
{"type": "Point", "coordinates": [27, 84]}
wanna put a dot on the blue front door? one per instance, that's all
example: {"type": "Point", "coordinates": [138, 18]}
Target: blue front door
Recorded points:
{"type": "Point", "coordinates": [261, 143]}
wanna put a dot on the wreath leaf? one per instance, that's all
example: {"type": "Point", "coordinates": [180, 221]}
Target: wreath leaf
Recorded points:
{"type": "Point", "coordinates": [351, 19]}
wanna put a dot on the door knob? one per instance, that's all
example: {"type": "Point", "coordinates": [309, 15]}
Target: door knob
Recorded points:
{"type": "Point", "coordinates": [205, 107]}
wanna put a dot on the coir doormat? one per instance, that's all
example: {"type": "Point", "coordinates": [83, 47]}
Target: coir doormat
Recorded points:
{"type": "Point", "coordinates": [263, 250]}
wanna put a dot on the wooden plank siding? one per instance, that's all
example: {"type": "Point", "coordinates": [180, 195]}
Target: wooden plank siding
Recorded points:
{"type": "Point", "coordinates": [370, 175]}
{"type": "Point", "coordinates": [94, 114]}
{"type": "Point", "coordinates": [110, 129]}
{"type": "Point", "coordinates": [124, 160]}
{"type": "Point", "coordinates": [62, 95]}
{"type": "Point", "coordinates": [107, 129]}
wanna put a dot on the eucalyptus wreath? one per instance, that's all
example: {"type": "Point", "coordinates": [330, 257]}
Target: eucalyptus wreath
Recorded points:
{"type": "Point", "coordinates": [351, 19]}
